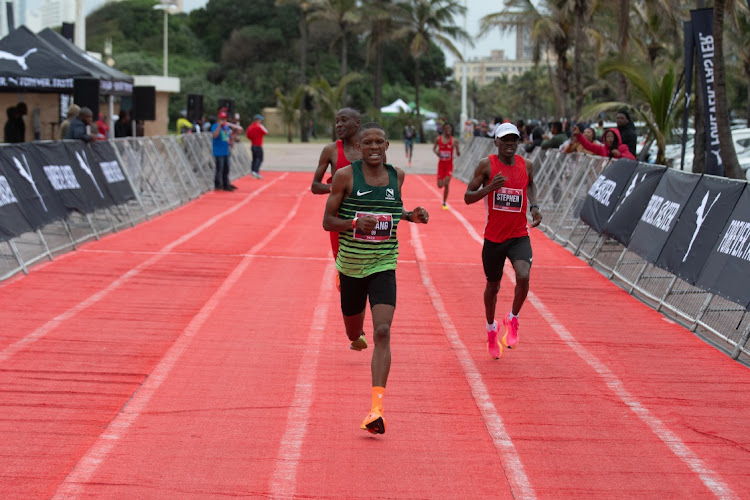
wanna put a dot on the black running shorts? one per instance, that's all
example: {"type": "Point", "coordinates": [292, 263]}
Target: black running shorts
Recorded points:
{"type": "Point", "coordinates": [494, 254]}
{"type": "Point", "coordinates": [380, 287]}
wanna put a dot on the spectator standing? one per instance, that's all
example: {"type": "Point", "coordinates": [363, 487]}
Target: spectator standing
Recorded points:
{"type": "Point", "coordinates": [535, 136]}
{"type": "Point", "coordinates": [124, 126]}
{"type": "Point", "coordinates": [36, 123]}
{"type": "Point", "coordinates": [73, 111]}
{"type": "Point", "coordinates": [599, 130]}
{"type": "Point", "coordinates": [183, 125]}
{"type": "Point", "coordinates": [612, 147]}
{"type": "Point", "coordinates": [557, 139]}
{"type": "Point", "coordinates": [410, 133]}
{"type": "Point", "coordinates": [15, 128]}
{"type": "Point", "coordinates": [255, 133]}
{"type": "Point", "coordinates": [102, 129]}
{"type": "Point", "coordinates": [80, 126]}
{"type": "Point", "coordinates": [221, 135]}
{"type": "Point", "coordinates": [627, 130]}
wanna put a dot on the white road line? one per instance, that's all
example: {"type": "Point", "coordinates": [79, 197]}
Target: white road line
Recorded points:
{"type": "Point", "coordinates": [512, 466]}
{"type": "Point", "coordinates": [43, 330]}
{"type": "Point", "coordinates": [709, 478]}
{"type": "Point", "coordinates": [283, 483]}
{"type": "Point", "coordinates": [83, 471]}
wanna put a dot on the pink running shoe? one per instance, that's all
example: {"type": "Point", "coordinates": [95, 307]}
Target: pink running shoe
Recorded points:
{"type": "Point", "coordinates": [493, 346]}
{"type": "Point", "coordinates": [510, 339]}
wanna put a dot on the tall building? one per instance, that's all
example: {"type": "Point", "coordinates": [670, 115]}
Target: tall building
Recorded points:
{"type": "Point", "coordinates": [16, 4]}
{"type": "Point", "coordinates": [487, 69]}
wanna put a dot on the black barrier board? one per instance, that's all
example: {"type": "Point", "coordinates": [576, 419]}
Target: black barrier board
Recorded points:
{"type": "Point", "coordinates": [633, 202]}
{"type": "Point", "coordinates": [699, 226]}
{"type": "Point", "coordinates": [71, 183]}
{"type": "Point", "coordinates": [662, 213]}
{"type": "Point", "coordinates": [104, 161]}
{"type": "Point", "coordinates": [38, 201]}
{"type": "Point", "coordinates": [91, 177]}
{"type": "Point", "coordinates": [12, 220]}
{"type": "Point", "coordinates": [605, 192]}
{"type": "Point", "coordinates": [727, 270]}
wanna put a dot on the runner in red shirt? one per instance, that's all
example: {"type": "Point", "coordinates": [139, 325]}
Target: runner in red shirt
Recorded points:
{"type": "Point", "coordinates": [505, 182]}
{"type": "Point", "coordinates": [443, 148]}
{"type": "Point", "coordinates": [255, 133]}
{"type": "Point", "coordinates": [338, 154]}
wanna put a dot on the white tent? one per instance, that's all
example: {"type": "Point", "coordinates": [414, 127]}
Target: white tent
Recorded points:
{"type": "Point", "coordinates": [396, 107]}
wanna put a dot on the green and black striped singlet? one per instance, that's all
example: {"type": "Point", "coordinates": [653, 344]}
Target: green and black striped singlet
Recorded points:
{"type": "Point", "coordinates": [359, 254]}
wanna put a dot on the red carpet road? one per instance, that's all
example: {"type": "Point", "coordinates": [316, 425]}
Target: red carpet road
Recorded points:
{"type": "Point", "coordinates": [202, 355]}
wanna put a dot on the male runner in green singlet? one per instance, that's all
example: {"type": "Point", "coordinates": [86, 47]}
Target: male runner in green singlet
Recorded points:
{"type": "Point", "coordinates": [365, 207]}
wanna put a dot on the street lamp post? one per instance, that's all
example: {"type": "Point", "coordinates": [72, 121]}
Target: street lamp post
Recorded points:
{"type": "Point", "coordinates": [464, 115]}
{"type": "Point", "coordinates": [165, 6]}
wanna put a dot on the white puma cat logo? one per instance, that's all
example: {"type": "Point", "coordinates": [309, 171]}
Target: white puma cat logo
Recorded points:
{"type": "Point", "coordinates": [21, 60]}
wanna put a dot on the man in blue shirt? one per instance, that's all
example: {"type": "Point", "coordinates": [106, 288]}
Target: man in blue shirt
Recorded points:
{"type": "Point", "coordinates": [221, 134]}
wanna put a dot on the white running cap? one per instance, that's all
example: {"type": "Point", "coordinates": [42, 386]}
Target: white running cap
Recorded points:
{"type": "Point", "coordinates": [505, 129]}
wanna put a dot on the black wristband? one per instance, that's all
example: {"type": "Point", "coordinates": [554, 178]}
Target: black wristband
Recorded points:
{"type": "Point", "coordinates": [408, 215]}
{"type": "Point", "coordinates": [532, 207]}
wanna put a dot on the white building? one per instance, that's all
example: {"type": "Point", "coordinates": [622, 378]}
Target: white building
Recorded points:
{"type": "Point", "coordinates": [487, 69]}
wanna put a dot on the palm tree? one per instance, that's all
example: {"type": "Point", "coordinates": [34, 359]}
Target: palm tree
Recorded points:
{"type": "Point", "coordinates": [660, 110]}
{"type": "Point", "coordinates": [304, 6]}
{"type": "Point", "coordinates": [379, 16]}
{"type": "Point", "coordinates": [330, 98]}
{"type": "Point", "coordinates": [344, 14]}
{"type": "Point", "coordinates": [289, 106]}
{"type": "Point", "coordinates": [551, 27]}
{"type": "Point", "coordinates": [424, 22]}
{"type": "Point", "coordinates": [728, 154]}
{"type": "Point", "coordinates": [740, 37]}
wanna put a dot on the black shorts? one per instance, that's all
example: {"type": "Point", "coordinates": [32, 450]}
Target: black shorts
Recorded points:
{"type": "Point", "coordinates": [494, 254]}
{"type": "Point", "coordinates": [380, 287]}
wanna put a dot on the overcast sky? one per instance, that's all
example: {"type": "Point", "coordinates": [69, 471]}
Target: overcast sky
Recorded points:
{"type": "Point", "coordinates": [476, 10]}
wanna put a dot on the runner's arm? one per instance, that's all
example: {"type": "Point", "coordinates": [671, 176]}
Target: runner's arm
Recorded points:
{"type": "Point", "coordinates": [536, 215]}
{"type": "Point", "coordinates": [475, 191]}
{"type": "Point", "coordinates": [318, 186]}
{"type": "Point", "coordinates": [435, 147]}
{"type": "Point", "coordinates": [458, 152]}
{"type": "Point", "coordinates": [341, 188]}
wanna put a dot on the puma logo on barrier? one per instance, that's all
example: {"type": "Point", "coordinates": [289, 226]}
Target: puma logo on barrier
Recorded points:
{"type": "Point", "coordinates": [21, 60]}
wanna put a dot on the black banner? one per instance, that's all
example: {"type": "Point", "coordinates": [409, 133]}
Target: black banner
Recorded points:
{"type": "Point", "coordinates": [633, 202]}
{"type": "Point", "coordinates": [704, 43]}
{"type": "Point", "coordinates": [689, 51]}
{"type": "Point", "coordinates": [727, 270]}
{"type": "Point", "coordinates": [104, 161]}
{"type": "Point", "coordinates": [67, 179]}
{"type": "Point", "coordinates": [699, 226]}
{"type": "Point", "coordinates": [605, 193]}
{"type": "Point", "coordinates": [91, 178]}
{"type": "Point", "coordinates": [38, 201]}
{"type": "Point", "coordinates": [662, 213]}
{"type": "Point", "coordinates": [12, 219]}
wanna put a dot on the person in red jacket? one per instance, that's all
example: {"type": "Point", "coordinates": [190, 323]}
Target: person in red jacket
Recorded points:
{"type": "Point", "coordinates": [255, 133]}
{"type": "Point", "coordinates": [611, 146]}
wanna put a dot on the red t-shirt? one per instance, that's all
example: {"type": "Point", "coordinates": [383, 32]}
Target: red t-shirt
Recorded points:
{"type": "Point", "coordinates": [506, 207]}
{"type": "Point", "coordinates": [255, 133]}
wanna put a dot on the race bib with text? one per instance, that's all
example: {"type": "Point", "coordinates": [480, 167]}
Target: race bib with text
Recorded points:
{"type": "Point", "coordinates": [382, 231]}
{"type": "Point", "coordinates": [508, 200]}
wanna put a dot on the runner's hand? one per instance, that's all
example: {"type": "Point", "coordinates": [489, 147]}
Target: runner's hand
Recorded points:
{"type": "Point", "coordinates": [497, 182]}
{"type": "Point", "coordinates": [536, 217]}
{"type": "Point", "coordinates": [366, 223]}
{"type": "Point", "coordinates": [421, 215]}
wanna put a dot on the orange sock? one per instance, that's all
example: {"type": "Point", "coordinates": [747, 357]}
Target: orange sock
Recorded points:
{"type": "Point", "coordinates": [377, 398]}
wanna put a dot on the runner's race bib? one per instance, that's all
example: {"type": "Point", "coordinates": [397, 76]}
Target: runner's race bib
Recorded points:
{"type": "Point", "coordinates": [445, 155]}
{"type": "Point", "coordinates": [508, 200]}
{"type": "Point", "coordinates": [382, 231]}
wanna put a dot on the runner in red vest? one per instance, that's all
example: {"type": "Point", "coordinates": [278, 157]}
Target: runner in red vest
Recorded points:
{"type": "Point", "coordinates": [505, 182]}
{"type": "Point", "coordinates": [443, 148]}
{"type": "Point", "coordinates": [338, 154]}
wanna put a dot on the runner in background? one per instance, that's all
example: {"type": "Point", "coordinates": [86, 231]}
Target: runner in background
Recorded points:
{"type": "Point", "coordinates": [508, 180]}
{"type": "Point", "coordinates": [443, 148]}
{"type": "Point", "coordinates": [410, 133]}
{"type": "Point", "coordinates": [364, 208]}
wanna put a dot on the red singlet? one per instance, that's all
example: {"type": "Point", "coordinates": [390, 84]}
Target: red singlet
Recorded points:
{"type": "Point", "coordinates": [445, 163]}
{"type": "Point", "coordinates": [341, 162]}
{"type": "Point", "coordinates": [506, 207]}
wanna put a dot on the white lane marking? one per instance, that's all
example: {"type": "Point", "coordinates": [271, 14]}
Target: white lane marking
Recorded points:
{"type": "Point", "coordinates": [709, 478]}
{"type": "Point", "coordinates": [50, 325]}
{"type": "Point", "coordinates": [512, 466]}
{"type": "Point", "coordinates": [74, 483]}
{"type": "Point", "coordinates": [283, 483]}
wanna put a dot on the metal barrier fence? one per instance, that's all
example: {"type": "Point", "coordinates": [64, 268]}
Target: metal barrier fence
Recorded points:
{"type": "Point", "coordinates": [562, 182]}
{"type": "Point", "coordinates": [164, 172]}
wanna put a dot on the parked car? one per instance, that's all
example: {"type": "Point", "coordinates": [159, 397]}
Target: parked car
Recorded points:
{"type": "Point", "coordinates": [740, 137]}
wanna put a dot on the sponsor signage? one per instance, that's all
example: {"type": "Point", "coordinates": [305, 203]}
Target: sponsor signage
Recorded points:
{"type": "Point", "coordinates": [604, 194]}
{"type": "Point", "coordinates": [661, 214]}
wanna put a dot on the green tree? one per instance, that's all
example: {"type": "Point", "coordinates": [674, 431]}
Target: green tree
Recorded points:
{"type": "Point", "coordinates": [658, 109]}
{"type": "Point", "coordinates": [329, 98]}
{"type": "Point", "coordinates": [289, 107]}
{"type": "Point", "coordinates": [422, 22]}
{"type": "Point", "coordinates": [346, 17]}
